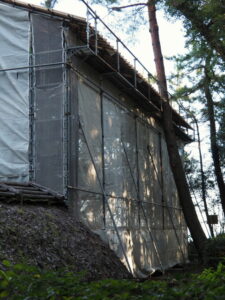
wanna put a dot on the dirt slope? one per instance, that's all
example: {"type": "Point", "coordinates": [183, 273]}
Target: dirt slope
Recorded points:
{"type": "Point", "coordinates": [50, 238]}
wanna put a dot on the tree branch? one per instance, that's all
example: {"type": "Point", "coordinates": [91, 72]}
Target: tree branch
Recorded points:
{"type": "Point", "coordinates": [118, 8]}
{"type": "Point", "coordinates": [197, 21]}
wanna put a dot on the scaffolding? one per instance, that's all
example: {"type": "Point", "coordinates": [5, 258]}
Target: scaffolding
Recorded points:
{"type": "Point", "coordinates": [91, 131]}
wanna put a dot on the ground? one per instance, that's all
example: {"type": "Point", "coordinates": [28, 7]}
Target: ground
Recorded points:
{"type": "Point", "coordinates": [50, 238]}
{"type": "Point", "coordinates": [40, 246]}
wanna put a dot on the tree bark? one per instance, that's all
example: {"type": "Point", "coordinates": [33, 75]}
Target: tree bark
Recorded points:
{"type": "Point", "coordinates": [154, 31]}
{"type": "Point", "coordinates": [213, 139]}
{"type": "Point", "coordinates": [187, 205]}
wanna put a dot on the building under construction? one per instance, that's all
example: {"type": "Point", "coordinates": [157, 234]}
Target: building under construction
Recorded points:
{"type": "Point", "coordinates": [78, 118]}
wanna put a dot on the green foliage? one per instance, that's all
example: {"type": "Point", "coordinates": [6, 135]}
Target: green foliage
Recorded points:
{"type": "Point", "coordinates": [220, 109]}
{"type": "Point", "coordinates": [200, 72]}
{"type": "Point", "coordinates": [204, 18]}
{"type": "Point", "coordinates": [215, 250]}
{"type": "Point", "coordinates": [125, 17]}
{"type": "Point", "coordinates": [193, 173]}
{"type": "Point", "coordinates": [19, 282]}
{"type": "Point", "coordinates": [28, 282]}
{"type": "Point", "coordinates": [49, 3]}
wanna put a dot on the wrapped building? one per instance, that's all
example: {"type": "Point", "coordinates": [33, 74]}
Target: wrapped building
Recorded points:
{"type": "Point", "coordinates": [78, 118]}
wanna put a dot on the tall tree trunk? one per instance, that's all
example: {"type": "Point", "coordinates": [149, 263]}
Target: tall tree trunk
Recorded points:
{"type": "Point", "coordinates": [190, 215]}
{"type": "Point", "coordinates": [203, 185]}
{"type": "Point", "coordinates": [154, 31]}
{"type": "Point", "coordinates": [213, 139]}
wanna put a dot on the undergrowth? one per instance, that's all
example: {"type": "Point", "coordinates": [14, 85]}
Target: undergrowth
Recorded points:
{"type": "Point", "coordinates": [23, 282]}
{"type": "Point", "coordinates": [214, 250]}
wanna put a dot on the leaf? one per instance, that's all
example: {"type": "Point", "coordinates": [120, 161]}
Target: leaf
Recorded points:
{"type": "Point", "coordinates": [18, 267]}
{"type": "Point", "coordinates": [6, 263]}
{"type": "Point", "coordinates": [4, 294]}
{"type": "Point", "coordinates": [4, 283]}
{"type": "Point", "coordinates": [3, 274]}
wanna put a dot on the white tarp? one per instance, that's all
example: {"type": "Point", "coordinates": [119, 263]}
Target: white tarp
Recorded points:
{"type": "Point", "coordinates": [14, 95]}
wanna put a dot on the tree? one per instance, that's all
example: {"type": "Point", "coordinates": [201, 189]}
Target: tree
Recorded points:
{"type": "Point", "coordinates": [49, 3]}
{"type": "Point", "coordinates": [200, 181]}
{"type": "Point", "coordinates": [204, 17]}
{"type": "Point", "coordinates": [213, 133]}
{"type": "Point", "coordinates": [220, 112]}
{"type": "Point", "coordinates": [203, 179]}
{"type": "Point", "coordinates": [202, 67]}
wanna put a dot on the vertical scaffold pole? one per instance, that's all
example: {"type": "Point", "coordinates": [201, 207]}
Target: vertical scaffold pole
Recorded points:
{"type": "Point", "coordinates": [117, 56]}
{"type": "Point", "coordinates": [103, 160]}
{"type": "Point", "coordinates": [88, 28]}
{"type": "Point", "coordinates": [96, 36]}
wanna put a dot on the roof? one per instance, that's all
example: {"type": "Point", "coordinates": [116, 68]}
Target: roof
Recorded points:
{"type": "Point", "coordinates": [106, 63]}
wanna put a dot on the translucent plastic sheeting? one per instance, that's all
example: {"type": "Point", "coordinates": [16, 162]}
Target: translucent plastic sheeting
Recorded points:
{"type": "Point", "coordinates": [48, 44]}
{"type": "Point", "coordinates": [124, 156]}
{"type": "Point", "coordinates": [91, 209]}
{"type": "Point", "coordinates": [73, 130]}
{"type": "Point", "coordinates": [171, 199]}
{"type": "Point", "coordinates": [48, 137]}
{"type": "Point", "coordinates": [90, 170]}
{"type": "Point", "coordinates": [134, 222]}
{"type": "Point", "coordinates": [139, 249]}
{"type": "Point", "coordinates": [146, 250]}
{"type": "Point", "coordinates": [14, 96]}
{"type": "Point", "coordinates": [150, 180]}
{"type": "Point", "coordinates": [120, 151]}
{"type": "Point", "coordinates": [90, 138]}
{"type": "Point", "coordinates": [125, 213]}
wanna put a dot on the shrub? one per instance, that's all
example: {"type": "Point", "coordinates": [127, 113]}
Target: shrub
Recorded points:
{"type": "Point", "coordinates": [22, 282]}
{"type": "Point", "coordinates": [215, 251]}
